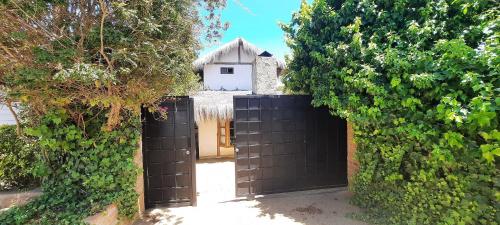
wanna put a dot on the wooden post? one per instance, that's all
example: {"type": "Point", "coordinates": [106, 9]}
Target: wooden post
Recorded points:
{"type": "Point", "coordinates": [218, 138]}
{"type": "Point", "coordinates": [227, 134]}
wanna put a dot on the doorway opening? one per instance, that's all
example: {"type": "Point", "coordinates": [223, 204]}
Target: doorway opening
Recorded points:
{"type": "Point", "coordinates": [215, 167]}
{"type": "Point", "coordinates": [277, 144]}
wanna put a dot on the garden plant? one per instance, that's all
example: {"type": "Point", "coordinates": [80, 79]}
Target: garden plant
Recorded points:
{"type": "Point", "coordinates": [419, 82]}
{"type": "Point", "coordinates": [83, 70]}
{"type": "Point", "coordinates": [18, 156]}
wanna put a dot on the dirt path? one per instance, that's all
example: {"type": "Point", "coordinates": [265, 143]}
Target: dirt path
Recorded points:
{"type": "Point", "coordinates": [217, 204]}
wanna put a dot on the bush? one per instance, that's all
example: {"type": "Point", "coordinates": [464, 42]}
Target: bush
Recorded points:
{"type": "Point", "coordinates": [84, 168]}
{"type": "Point", "coordinates": [419, 80]}
{"type": "Point", "coordinates": [17, 158]}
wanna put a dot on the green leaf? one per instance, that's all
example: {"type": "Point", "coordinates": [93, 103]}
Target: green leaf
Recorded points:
{"type": "Point", "coordinates": [395, 82]}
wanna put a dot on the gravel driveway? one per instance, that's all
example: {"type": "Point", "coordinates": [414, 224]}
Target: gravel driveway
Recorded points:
{"type": "Point", "coordinates": [217, 204]}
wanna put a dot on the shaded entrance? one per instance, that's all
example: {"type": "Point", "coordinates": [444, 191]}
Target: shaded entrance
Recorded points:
{"type": "Point", "coordinates": [282, 144]}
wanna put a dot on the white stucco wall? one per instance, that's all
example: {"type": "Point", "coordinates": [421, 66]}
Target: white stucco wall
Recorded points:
{"type": "Point", "coordinates": [5, 116]}
{"type": "Point", "coordinates": [207, 141]}
{"type": "Point", "coordinates": [240, 80]}
{"type": "Point", "coordinates": [207, 138]}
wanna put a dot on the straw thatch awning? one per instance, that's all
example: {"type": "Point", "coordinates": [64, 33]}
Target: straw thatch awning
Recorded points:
{"type": "Point", "coordinates": [210, 105]}
{"type": "Point", "coordinates": [241, 43]}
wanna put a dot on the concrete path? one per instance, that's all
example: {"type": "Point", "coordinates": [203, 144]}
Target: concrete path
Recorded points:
{"type": "Point", "coordinates": [217, 204]}
{"type": "Point", "coordinates": [215, 181]}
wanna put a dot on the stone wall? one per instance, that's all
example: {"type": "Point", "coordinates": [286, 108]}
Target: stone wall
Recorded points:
{"type": "Point", "coordinates": [352, 163]}
{"type": "Point", "coordinates": [17, 198]}
{"type": "Point", "coordinates": [264, 76]}
{"type": "Point", "coordinates": [110, 216]}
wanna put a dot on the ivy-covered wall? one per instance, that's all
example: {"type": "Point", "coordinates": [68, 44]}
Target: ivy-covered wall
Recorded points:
{"type": "Point", "coordinates": [17, 157]}
{"type": "Point", "coordinates": [419, 81]}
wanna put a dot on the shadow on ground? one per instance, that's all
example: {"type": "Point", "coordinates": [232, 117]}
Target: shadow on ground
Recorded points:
{"type": "Point", "coordinates": [160, 216]}
{"type": "Point", "coordinates": [218, 205]}
{"type": "Point", "coordinates": [318, 207]}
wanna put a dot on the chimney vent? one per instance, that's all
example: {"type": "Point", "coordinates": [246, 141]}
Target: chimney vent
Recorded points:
{"type": "Point", "coordinates": [266, 54]}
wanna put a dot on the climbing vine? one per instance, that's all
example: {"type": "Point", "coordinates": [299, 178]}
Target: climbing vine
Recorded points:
{"type": "Point", "coordinates": [84, 170]}
{"type": "Point", "coordinates": [419, 81]}
{"type": "Point", "coordinates": [17, 157]}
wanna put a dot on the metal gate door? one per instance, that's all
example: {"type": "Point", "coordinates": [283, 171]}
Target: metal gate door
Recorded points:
{"type": "Point", "coordinates": [169, 156]}
{"type": "Point", "coordinates": [284, 144]}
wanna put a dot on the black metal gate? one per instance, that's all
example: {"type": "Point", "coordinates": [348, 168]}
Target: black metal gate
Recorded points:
{"type": "Point", "coordinates": [169, 155]}
{"type": "Point", "coordinates": [284, 144]}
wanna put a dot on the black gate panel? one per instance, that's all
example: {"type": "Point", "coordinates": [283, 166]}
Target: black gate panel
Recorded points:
{"type": "Point", "coordinates": [169, 155]}
{"type": "Point", "coordinates": [284, 144]}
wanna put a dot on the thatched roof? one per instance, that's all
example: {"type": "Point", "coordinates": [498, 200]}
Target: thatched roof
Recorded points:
{"type": "Point", "coordinates": [210, 105]}
{"type": "Point", "coordinates": [246, 47]}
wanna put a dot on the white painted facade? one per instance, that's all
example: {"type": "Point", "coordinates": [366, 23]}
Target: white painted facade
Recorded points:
{"type": "Point", "coordinates": [5, 116]}
{"type": "Point", "coordinates": [241, 80]}
{"type": "Point", "coordinates": [207, 138]}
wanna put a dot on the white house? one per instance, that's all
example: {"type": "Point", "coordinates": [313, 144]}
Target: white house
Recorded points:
{"type": "Point", "coordinates": [230, 67]}
{"type": "Point", "coordinates": [229, 70]}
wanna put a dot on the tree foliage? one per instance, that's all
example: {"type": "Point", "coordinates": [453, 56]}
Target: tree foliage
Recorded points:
{"type": "Point", "coordinates": [111, 55]}
{"type": "Point", "coordinates": [83, 69]}
{"type": "Point", "coordinates": [419, 80]}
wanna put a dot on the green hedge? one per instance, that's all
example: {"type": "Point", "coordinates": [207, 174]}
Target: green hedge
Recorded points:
{"type": "Point", "coordinates": [419, 80]}
{"type": "Point", "coordinates": [85, 169]}
{"type": "Point", "coordinates": [18, 155]}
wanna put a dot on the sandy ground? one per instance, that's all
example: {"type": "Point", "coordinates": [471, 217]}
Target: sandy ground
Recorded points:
{"type": "Point", "coordinates": [218, 205]}
{"type": "Point", "coordinates": [215, 181]}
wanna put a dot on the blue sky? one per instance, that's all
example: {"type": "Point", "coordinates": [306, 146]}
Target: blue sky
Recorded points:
{"type": "Point", "coordinates": [257, 22]}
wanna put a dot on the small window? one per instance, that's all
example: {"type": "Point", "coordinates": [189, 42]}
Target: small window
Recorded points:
{"type": "Point", "coordinates": [226, 70]}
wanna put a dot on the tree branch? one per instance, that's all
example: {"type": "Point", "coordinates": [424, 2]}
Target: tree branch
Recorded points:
{"type": "Point", "coordinates": [18, 122]}
{"type": "Point", "coordinates": [6, 50]}
{"type": "Point", "coordinates": [103, 17]}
